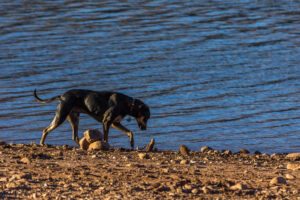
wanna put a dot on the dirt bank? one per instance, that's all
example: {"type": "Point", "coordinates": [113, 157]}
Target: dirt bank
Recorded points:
{"type": "Point", "coordinates": [29, 171]}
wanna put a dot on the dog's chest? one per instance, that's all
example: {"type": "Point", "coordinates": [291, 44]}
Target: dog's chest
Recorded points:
{"type": "Point", "coordinates": [118, 118]}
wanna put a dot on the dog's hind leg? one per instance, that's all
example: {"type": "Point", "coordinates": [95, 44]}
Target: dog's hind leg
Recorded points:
{"type": "Point", "coordinates": [73, 118]}
{"type": "Point", "coordinates": [62, 112]}
{"type": "Point", "coordinates": [122, 128]}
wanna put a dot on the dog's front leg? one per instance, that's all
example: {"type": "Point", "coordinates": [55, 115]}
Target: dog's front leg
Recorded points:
{"type": "Point", "coordinates": [107, 121]}
{"type": "Point", "coordinates": [120, 127]}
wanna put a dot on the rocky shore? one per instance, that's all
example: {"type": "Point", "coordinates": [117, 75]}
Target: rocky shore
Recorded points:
{"type": "Point", "coordinates": [31, 171]}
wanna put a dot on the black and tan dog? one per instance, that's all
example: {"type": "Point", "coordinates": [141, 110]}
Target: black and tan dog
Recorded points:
{"type": "Point", "coordinates": [106, 107]}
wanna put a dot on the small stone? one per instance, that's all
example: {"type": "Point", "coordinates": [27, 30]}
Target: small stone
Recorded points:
{"type": "Point", "coordinates": [195, 191]}
{"type": "Point", "coordinates": [183, 162]}
{"type": "Point", "coordinates": [179, 190]}
{"type": "Point", "coordinates": [205, 149]}
{"type": "Point", "coordinates": [34, 195]}
{"type": "Point", "coordinates": [238, 186]}
{"type": "Point", "coordinates": [33, 144]}
{"type": "Point", "coordinates": [25, 160]}
{"type": "Point", "coordinates": [293, 166]}
{"type": "Point", "coordinates": [3, 179]}
{"type": "Point", "coordinates": [11, 185]}
{"type": "Point", "coordinates": [210, 151]}
{"type": "Point", "coordinates": [2, 142]}
{"type": "Point", "coordinates": [295, 191]}
{"type": "Point", "coordinates": [277, 180]}
{"type": "Point", "coordinates": [143, 156]}
{"type": "Point", "coordinates": [290, 177]}
{"type": "Point", "coordinates": [156, 185]}
{"type": "Point", "coordinates": [188, 187]}
{"type": "Point", "coordinates": [257, 153]}
{"type": "Point", "coordinates": [58, 153]}
{"type": "Point", "coordinates": [184, 150]}
{"type": "Point", "coordinates": [84, 144]}
{"type": "Point", "coordinates": [92, 135]}
{"type": "Point", "coordinates": [15, 177]}
{"type": "Point", "coordinates": [227, 152]}
{"type": "Point", "coordinates": [243, 151]}
{"type": "Point", "coordinates": [206, 190]}
{"type": "Point", "coordinates": [216, 151]}
{"type": "Point", "coordinates": [274, 156]}
{"type": "Point", "coordinates": [293, 156]}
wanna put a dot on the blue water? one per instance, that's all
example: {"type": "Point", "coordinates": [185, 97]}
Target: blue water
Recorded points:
{"type": "Point", "coordinates": [214, 73]}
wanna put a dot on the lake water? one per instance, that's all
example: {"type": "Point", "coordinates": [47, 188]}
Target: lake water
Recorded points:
{"type": "Point", "coordinates": [218, 73]}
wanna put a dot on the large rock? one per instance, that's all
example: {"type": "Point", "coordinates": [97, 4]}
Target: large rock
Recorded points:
{"type": "Point", "coordinates": [84, 144]}
{"type": "Point", "coordinates": [98, 145]}
{"type": "Point", "coordinates": [93, 135]}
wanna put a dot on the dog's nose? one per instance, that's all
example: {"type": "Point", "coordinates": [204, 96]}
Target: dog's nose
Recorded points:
{"type": "Point", "coordinates": [142, 127]}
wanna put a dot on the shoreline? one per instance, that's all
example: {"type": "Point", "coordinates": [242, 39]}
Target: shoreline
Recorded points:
{"type": "Point", "coordinates": [30, 171]}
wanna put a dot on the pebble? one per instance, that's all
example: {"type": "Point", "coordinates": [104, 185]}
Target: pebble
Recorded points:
{"type": "Point", "coordinates": [238, 186]}
{"type": "Point", "coordinates": [290, 177]}
{"type": "Point", "coordinates": [216, 151]}
{"type": "Point", "coordinates": [184, 150]}
{"type": "Point", "coordinates": [143, 156]}
{"type": "Point", "coordinates": [274, 156]}
{"type": "Point", "coordinates": [243, 151]}
{"type": "Point", "coordinates": [277, 180]}
{"type": "Point", "coordinates": [34, 195]}
{"type": "Point", "coordinates": [257, 153]}
{"type": "Point", "coordinates": [183, 162]}
{"type": "Point", "coordinates": [3, 179]}
{"type": "Point", "coordinates": [188, 187]}
{"type": "Point", "coordinates": [293, 166]}
{"type": "Point", "coordinates": [179, 190]}
{"type": "Point", "coordinates": [205, 149]}
{"type": "Point", "coordinates": [156, 185]}
{"type": "Point", "coordinates": [11, 185]}
{"type": "Point", "coordinates": [25, 160]}
{"type": "Point", "coordinates": [195, 191]}
{"type": "Point", "coordinates": [293, 156]}
{"type": "Point", "coordinates": [2, 142]}
{"type": "Point", "coordinates": [227, 152]}
{"type": "Point", "coordinates": [206, 190]}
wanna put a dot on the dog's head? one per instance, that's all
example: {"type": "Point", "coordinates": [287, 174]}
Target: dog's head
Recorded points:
{"type": "Point", "coordinates": [142, 115]}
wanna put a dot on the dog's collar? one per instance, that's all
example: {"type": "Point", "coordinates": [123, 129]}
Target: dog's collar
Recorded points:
{"type": "Point", "coordinates": [132, 105]}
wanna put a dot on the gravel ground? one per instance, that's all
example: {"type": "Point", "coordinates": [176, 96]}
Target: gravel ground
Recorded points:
{"type": "Point", "coordinates": [30, 171]}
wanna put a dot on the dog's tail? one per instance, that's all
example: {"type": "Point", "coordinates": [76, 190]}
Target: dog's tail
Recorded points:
{"type": "Point", "coordinates": [45, 100]}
